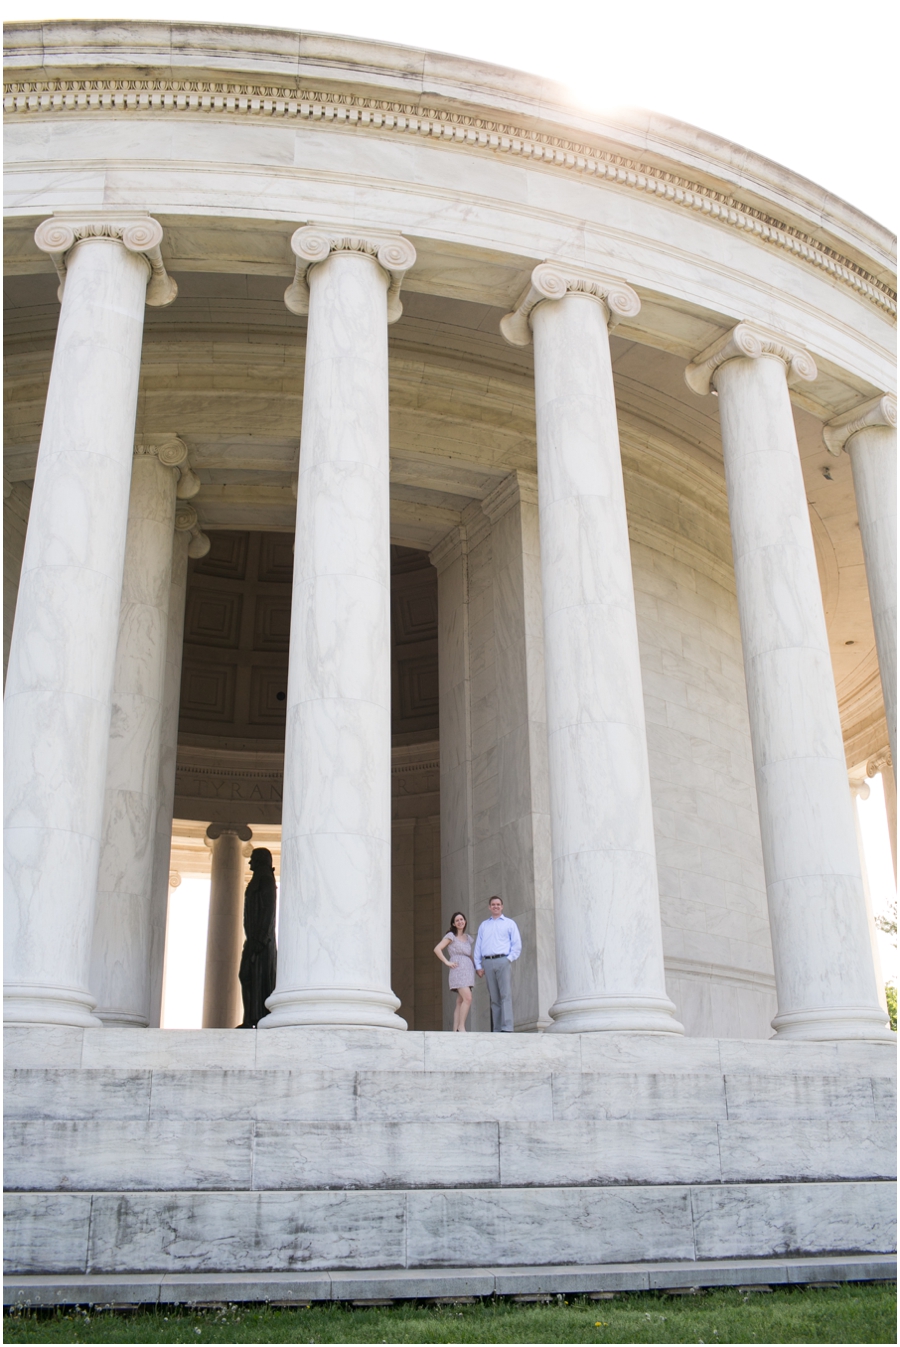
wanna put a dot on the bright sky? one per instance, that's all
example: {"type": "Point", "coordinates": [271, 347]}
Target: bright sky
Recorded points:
{"type": "Point", "coordinates": [810, 86]}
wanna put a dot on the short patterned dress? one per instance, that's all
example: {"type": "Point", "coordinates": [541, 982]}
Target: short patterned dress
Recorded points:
{"type": "Point", "coordinates": [460, 950]}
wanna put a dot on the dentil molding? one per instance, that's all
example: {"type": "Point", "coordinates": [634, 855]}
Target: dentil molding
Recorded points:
{"type": "Point", "coordinates": [157, 97]}
{"type": "Point", "coordinates": [749, 341]}
{"type": "Point", "coordinates": [552, 280]}
{"type": "Point", "coordinates": [313, 243]}
{"type": "Point", "coordinates": [880, 411]}
{"type": "Point", "coordinates": [139, 234]}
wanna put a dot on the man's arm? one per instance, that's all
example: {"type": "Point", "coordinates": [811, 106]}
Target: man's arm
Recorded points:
{"type": "Point", "coordinates": [515, 942]}
{"type": "Point", "coordinates": [476, 956]}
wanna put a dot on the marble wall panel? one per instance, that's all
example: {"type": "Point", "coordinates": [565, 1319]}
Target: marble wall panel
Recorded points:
{"type": "Point", "coordinates": [885, 1096]}
{"type": "Point", "coordinates": [246, 1232]}
{"type": "Point", "coordinates": [774, 1150]}
{"type": "Point", "coordinates": [155, 1048]}
{"type": "Point", "coordinates": [492, 1054]}
{"type": "Point", "coordinates": [587, 1152]}
{"type": "Point", "coordinates": [534, 1226]}
{"type": "Point", "coordinates": [444, 1096]}
{"type": "Point", "coordinates": [421, 1154]}
{"type": "Point", "coordinates": [780, 1096]}
{"type": "Point", "coordinates": [624, 1095]}
{"type": "Point", "coordinates": [253, 1094]}
{"type": "Point", "coordinates": [29, 1219]}
{"type": "Point", "coordinates": [338, 1049]}
{"type": "Point", "coordinates": [99, 1154]}
{"type": "Point", "coordinates": [766, 1220]}
{"type": "Point", "coordinates": [75, 1094]}
{"type": "Point", "coordinates": [43, 1045]}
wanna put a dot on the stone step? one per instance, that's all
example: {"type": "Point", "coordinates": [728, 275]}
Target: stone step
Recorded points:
{"type": "Point", "coordinates": [94, 1154]}
{"type": "Point", "coordinates": [417, 1096]}
{"type": "Point", "coordinates": [303, 1288]}
{"type": "Point", "coordinates": [250, 1232]}
{"type": "Point", "coordinates": [371, 1050]}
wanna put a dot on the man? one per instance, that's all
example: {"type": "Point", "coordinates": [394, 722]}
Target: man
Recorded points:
{"type": "Point", "coordinates": [497, 946]}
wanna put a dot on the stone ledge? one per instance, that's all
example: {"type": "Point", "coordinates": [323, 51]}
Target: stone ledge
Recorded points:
{"type": "Point", "coordinates": [340, 1049]}
{"type": "Point", "coordinates": [400, 1284]}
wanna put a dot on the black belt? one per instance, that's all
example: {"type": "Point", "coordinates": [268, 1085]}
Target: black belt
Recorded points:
{"type": "Point", "coordinates": [496, 956]}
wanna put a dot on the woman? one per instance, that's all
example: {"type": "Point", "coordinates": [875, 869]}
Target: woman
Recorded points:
{"type": "Point", "coordinates": [462, 969]}
{"type": "Point", "coordinates": [258, 960]}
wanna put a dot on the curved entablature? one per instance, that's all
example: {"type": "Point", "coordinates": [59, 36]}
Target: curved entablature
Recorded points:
{"type": "Point", "coordinates": [256, 74]}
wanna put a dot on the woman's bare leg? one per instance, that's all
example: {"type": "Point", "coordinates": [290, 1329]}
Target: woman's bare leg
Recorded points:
{"type": "Point", "coordinates": [456, 1011]}
{"type": "Point", "coordinates": [465, 1003]}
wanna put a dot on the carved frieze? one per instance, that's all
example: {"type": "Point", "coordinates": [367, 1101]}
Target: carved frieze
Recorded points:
{"type": "Point", "coordinates": [469, 131]}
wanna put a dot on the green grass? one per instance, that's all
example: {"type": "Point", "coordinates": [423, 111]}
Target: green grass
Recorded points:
{"type": "Point", "coordinates": [852, 1313]}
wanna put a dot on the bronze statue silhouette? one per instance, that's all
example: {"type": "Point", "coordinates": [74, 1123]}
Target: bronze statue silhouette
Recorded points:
{"type": "Point", "coordinates": [258, 959]}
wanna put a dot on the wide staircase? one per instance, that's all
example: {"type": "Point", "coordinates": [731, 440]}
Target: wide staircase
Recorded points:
{"type": "Point", "coordinates": [285, 1164]}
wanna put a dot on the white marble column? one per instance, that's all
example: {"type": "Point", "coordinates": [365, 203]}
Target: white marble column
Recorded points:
{"type": "Point", "coordinates": [883, 764]}
{"type": "Point", "coordinates": [860, 790]}
{"type": "Point", "coordinates": [609, 954]}
{"type": "Point", "coordinates": [334, 958]}
{"type": "Point", "coordinates": [60, 681]}
{"type": "Point", "coordinates": [168, 753]}
{"type": "Point", "coordinates": [820, 940]}
{"type": "Point", "coordinates": [869, 434]}
{"type": "Point", "coordinates": [120, 961]}
{"type": "Point", "coordinates": [222, 1005]}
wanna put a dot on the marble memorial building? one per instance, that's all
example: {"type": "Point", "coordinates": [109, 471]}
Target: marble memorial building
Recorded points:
{"type": "Point", "coordinates": [458, 493]}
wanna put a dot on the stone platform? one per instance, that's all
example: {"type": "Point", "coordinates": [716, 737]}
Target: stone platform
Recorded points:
{"type": "Point", "coordinates": [155, 1155]}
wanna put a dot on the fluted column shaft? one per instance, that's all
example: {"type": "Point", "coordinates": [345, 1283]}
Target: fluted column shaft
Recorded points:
{"type": "Point", "coordinates": [60, 681]}
{"type": "Point", "coordinates": [222, 1006]}
{"type": "Point", "coordinates": [610, 973]}
{"type": "Point", "coordinates": [873, 457]}
{"type": "Point", "coordinates": [820, 939]}
{"type": "Point", "coordinates": [120, 963]}
{"type": "Point", "coordinates": [334, 954]}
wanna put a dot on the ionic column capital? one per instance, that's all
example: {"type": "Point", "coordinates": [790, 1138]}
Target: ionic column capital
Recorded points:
{"type": "Point", "coordinates": [186, 522]}
{"type": "Point", "coordinates": [139, 233]}
{"type": "Point", "coordinates": [749, 341]}
{"type": "Point", "coordinates": [217, 830]}
{"type": "Point", "coordinates": [555, 280]}
{"type": "Point", "coordinates": [171, 451]}
{"type": "Point", "coordinates": [313, 243]}
{"type": "Point", "coordinates": [879, 761]}
{"type": "Point", "coordinates": [880, 411]}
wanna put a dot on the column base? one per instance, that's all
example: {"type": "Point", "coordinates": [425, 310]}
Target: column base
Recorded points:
{"type": "Point", "coordinates": [615, 1015]}
{"type": "Point", "coordinates": [121, 1019]}
{"type": "Point", "coordinates": [344, 1007]}
{"type": "Point", "coordinates": [49, 1005]}
{"type": "Point", "coordinates": [844, 1023]}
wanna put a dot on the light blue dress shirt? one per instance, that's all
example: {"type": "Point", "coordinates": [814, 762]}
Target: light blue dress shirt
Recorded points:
{"type": "Point", "coordinates": [497, 935]}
